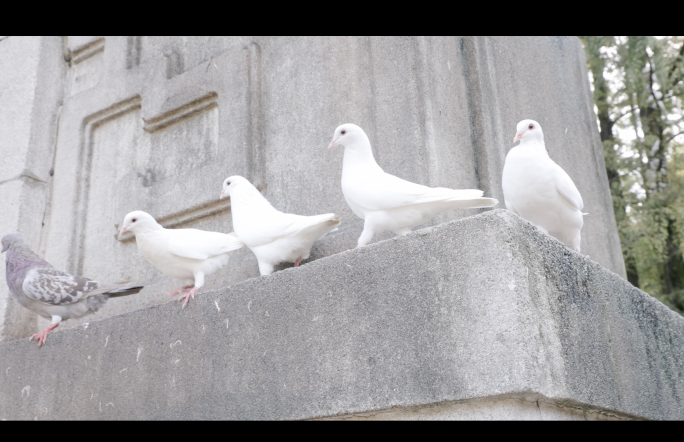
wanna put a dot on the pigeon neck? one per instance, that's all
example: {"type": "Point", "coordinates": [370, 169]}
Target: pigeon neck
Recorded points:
{"type": "Point", "coordinates": [21, 259]}
{"type": "Point", "coordinates": [246, 198]}
{"type": "Point", "coordinates": [151, 227]}
{"type": "Point", "coordinates": [359, 155]}
{"type": "Point", "coordinates": [21, 252]}
{"type": "Point", "coordinates": [533, 145]}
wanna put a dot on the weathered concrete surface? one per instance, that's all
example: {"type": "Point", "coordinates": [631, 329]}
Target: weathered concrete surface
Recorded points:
{"type": "Point", "coordinates": [156, 124]}
{"type": "Point", "coordinates": [32, 74]}
{"type": "Point", "coordinates": [486, 409]}
{"type": "Point", "coordinates": [483, 307]}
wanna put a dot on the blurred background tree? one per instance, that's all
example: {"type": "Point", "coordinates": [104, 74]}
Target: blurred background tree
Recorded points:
{"type": "Point", "coordinates": [638, 86]}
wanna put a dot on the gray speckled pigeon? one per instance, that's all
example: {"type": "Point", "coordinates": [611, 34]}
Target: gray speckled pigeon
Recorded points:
{"type": "Point", "coordinates": [52, 293]}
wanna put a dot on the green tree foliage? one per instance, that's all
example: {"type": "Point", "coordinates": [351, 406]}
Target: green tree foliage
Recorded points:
{"type": "Point", "coordinates": [638, 91]}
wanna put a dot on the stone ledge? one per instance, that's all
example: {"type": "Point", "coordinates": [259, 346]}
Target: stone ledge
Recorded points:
{"type": "Point", "coordinates": [483, 307]}
{"type": "Point", "coordinates": [517, 407]}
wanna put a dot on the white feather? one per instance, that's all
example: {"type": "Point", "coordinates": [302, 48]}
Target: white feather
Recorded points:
{"type": "Point", "coordinates": [273, 236]}
{"type": "Point", "coordinates": [185, 254]}
{"type": "Point", "coordinates": [539, 190]}
{"type": "Point", "coordinates": [386, 202]}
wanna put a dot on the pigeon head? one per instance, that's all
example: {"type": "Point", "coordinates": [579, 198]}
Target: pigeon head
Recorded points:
{"type": "Point", "coordinates": [137, 222]}
{"type": "Point", "coordinates": [10, 240]}
{"type": "Point", "coordinates": [348, 135]}
{"type": "Point", "coordinates": [528, 130]}
{"type": "Point", "coordinates": [230, 183]}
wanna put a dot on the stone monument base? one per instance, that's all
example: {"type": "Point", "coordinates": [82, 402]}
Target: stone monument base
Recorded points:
{"type": "Point", "coordinates": [483, 317]}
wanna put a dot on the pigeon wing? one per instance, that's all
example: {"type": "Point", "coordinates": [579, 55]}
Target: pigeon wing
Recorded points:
{"type": "Point", "coordinates": [567, 188]}
{"type": "Point", "coordinates": [265, 229]}
{"type": "Point", "coordinates": [200, 244]}
{"type": "Point", "coordinates": [288, 224]}
{"type": "Point", "coordinates": [55, 287]}
{"type": "Point", "coordinates": [385, 192]}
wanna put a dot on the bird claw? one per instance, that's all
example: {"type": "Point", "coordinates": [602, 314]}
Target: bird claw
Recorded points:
{"type": "Point", "coordinates": [42, 336]}
{"type": "Point", "coordinates": [179, 290]}
{"type": "Point", "coordinates": [187, 296]}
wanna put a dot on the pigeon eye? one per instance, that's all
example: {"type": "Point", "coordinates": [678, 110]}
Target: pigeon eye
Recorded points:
{"type": "Point", "coordinates": [531, 126]}
{"type": "Point", "coordinates": [133, 220]}
{"type": "Point", "coordinates": [343, 132]}
{"type": "Point", "coordinates": [227, 183]}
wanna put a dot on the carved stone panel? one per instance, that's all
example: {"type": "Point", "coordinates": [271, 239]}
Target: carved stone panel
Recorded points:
{"type": "Point", "coordinates": [152, 144]}
{"type": "Point", "coordinates": [85, 56]}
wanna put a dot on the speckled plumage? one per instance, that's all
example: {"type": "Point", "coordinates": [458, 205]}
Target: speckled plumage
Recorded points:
{"type": "Point", "coordinates": [52, 293]}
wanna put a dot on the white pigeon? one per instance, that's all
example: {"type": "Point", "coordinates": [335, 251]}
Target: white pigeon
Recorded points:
{"type": "Point", "coordinates": [185, 254]}
{"type": "Point", "coordinates": [386, 202]}
{"type": "Point", "coordinates": [272, 235]}
{"type": "Point", "coordinates": [539, 190]}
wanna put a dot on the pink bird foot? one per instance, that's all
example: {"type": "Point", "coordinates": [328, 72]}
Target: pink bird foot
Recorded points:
{"type": "Point", "coordinates": [298, 261]}
{"type": "Point", "coordinates": [188, 295]}
{"type": "Point", "coordinates": [180, 290]}
{"type": "Point", "coordinates": [42, 336]}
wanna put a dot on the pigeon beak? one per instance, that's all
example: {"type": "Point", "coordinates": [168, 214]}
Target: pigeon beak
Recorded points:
{"type": "Point", "coordinates": [223, 195]}
{"type": "Point", "coordinates": [332, 143]}
{"type": "Point", "coordinates": [518, 136]}
{"type": "Point", "coordinates": [123, 229]}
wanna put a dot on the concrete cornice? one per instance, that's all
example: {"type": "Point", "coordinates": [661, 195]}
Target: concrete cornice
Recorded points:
{"type": "Point", "coordinates": [483, 307]}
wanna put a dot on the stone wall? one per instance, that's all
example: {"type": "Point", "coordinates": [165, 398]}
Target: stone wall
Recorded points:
{"type": "Point", "coordinates": [93, 127]}
{"type": "Point", "coordinates": [483, 317]}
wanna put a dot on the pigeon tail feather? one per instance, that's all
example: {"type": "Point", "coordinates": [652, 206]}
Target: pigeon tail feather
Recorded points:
{"type": "Point", "coordinates": [231, 242]}
{"type": "Point", "coordinates": [124, 291]}
{"type": "Point", "coordinates": [443, 194]}
{"type": "Point", "coordinates": [473, 203]}
{"type": "Point", "coordinates": [464, 193]}
{"type": "Point", "coordinates": [201, 244]}
{"type": "Point", "coordinates": [96, 301]}
{"type": "Point", "coordinates": [320, 225]}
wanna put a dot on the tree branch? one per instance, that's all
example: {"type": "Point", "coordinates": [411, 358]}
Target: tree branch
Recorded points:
{"type": "Point", "coordinates": [674, 66]}
{"type": "Point", "coordinates": [670, 138]}
{"type": "Point", "coordinates": [622, 115]}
